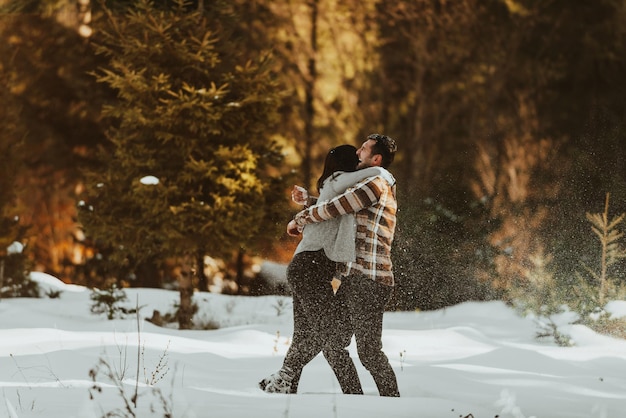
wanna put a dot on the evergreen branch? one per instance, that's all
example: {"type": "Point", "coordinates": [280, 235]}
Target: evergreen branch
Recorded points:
{"type": "Point", "coordinates": [614, 234]}
{"type": "Point", "coordinates": [616, 221]}
{"type": "Point", "coordinates": [590, 271]}
{"type": "Point", "coordinates": [595, 219]}
{"type": "Point", "coordinates": [599, 233]}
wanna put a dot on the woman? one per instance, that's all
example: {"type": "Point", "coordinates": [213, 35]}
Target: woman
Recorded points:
{"type": "Point", "coordinates": [313, 266]}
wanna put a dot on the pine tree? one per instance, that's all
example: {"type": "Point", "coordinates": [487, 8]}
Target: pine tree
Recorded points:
{"type": "Point", "coordinates": [197, 117]}
{"type": "Point", "coordinates": [609, 235]}
{"type": "Point", "coordinates": [55, 104]}
{"type": "Point", "coordinates": [14, 266]}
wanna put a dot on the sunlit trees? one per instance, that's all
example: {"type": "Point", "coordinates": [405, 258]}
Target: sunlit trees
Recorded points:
{"type": "Point", "coordinates": [508, 115]}
{"type": "Point", "coordinates": [437, 92]}
{"type": "Point", "coordinates": [55, 103]}
{"type": "Point", "coordinates": [321, 52]}
{"type": "Point", "coordinates": [12, 261]}
{"type": "Point", "coordinates": [490, 100]}
{"type": "Point", "coordinates": [196, 116]}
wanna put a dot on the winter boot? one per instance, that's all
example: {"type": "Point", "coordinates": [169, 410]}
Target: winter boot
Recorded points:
{"type": "Point", "coordinates": [279, 382]}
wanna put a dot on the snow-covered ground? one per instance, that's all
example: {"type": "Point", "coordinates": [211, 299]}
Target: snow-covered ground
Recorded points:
{"type": "Point", "coordinates": [476, 360]}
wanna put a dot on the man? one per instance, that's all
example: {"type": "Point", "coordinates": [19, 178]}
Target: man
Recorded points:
{"type": "Point", "coordinates": [367, 283]}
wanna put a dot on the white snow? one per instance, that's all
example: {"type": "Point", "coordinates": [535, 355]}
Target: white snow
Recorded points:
{"type": "Point", "coordinates": [474, 358]}
{"type": "Point", "coordinates": [15, 248]}
{"type": "Point", "coordinates": [149, 180]}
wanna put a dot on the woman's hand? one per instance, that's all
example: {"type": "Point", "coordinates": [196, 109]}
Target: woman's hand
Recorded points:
{"type": "Point", "coordinates": [293, 229]}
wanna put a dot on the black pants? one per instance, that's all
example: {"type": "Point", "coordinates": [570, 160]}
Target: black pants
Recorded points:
{"type": "Point", "coordinates": [365, 302]}
{"type": "Point", "coordinates": [319, 320]}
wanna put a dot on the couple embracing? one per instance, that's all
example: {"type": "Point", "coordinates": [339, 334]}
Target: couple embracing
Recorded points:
{"type": "Point", "coordinates": [346, 234]}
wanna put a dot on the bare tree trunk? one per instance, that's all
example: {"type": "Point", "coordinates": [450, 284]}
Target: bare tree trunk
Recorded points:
{"type": "Point", "coordinates": [309, 109]}
{"type": "Point", "coordinates": [1, 276]}
{"type": "Point", "coordinates": [239, 262]}
{"type": "Point", "coordinates": [203, 282]}
{"type": "Point", "coordinates": [148, 274]}
{"type": "Point", "coordinates": [186, 309]}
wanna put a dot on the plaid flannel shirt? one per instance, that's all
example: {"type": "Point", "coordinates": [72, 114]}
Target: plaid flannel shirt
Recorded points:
{"type": "Point", "coordinates": [373, 201]}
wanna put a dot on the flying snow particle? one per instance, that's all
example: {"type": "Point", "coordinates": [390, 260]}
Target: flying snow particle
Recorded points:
{"type": "Point", "coordinates": [149, 180]}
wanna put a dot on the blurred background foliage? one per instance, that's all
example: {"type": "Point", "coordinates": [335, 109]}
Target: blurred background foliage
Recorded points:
{"type": "Point", "coordinates": [509, 115]}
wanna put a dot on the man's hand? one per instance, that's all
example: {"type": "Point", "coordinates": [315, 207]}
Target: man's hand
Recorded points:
{"type": "Point", "coordinates": [299, 195]}
{"type": "Point", "coordinates": [293, 229]}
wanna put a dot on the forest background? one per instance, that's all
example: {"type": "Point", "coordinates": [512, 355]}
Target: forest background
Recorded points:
{"type": "Point", "coordinates": [150, 143]}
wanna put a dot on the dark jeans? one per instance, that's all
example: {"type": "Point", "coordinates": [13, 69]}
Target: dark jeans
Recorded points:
{"type": "Point", "coordinates": [317, 316]}
{"type": "Point", "coordinates": [365, 302]}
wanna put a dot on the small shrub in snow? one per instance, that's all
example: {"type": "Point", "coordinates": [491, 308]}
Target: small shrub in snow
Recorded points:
{"type": "Point", "coordinates": [14, 278]}
{"type": "Point", "coordinates": [546, 295]}
{"type": "Point", "coordinates": [109, 301]}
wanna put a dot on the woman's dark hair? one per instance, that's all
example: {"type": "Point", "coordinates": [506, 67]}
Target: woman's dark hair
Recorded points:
{"type": "Point", "coordinates": [341, 158]}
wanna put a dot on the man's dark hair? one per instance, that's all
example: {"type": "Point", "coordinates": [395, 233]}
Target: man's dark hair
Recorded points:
{"type": "Point", "coordinates": [386, 147]}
